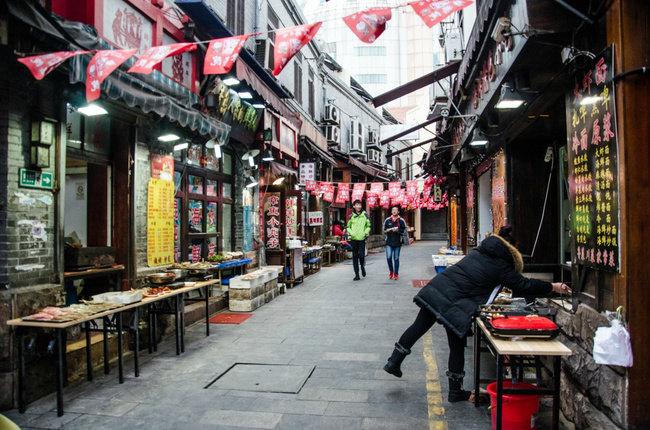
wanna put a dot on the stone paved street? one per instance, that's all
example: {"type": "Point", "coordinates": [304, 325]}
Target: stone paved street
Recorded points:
{"type": "Point", "coordinates": [343, 330]}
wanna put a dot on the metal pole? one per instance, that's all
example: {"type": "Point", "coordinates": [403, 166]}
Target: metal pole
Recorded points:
{"type": "Point", "coordinates": [89, 361]}
{"type": "Point", "coordinates": [207, 310]}
{"type": "Point", "coordinates": [557, 369]}
{"type": "Point", "coordinates": [499, 391]}
{"type": "Point", "coordinates": [136, 333]}
{"type": "Point", "coordinates": [477, 363]}
{"type": "Point", "coordinates": [21, 371]}
{"type": "Point", "coordinates": [176, 323]}
{"type": "Point", "coordinates": [60, 347]}
{"type": "Point", "coordinates": [120, 362]}
{"type": "Point", "coordinates": [105, 340]}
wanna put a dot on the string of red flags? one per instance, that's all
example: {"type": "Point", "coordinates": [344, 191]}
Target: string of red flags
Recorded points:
{"type": "Point", "coordinates": [369, 24]}
{"type": "Point", "coordinates": [426, 194]}
{"type": "Point", "coordinates": [154, 55]}
{"type": "Point", "coordinates": [222, 53]}
{"type": "Point", "coordinates": [288, 41]}
{"type": "Point", "coordinates": [100, 66]}
{"type": "Point", "coordinates": [433, 12]}
{"type": "Point", "coordinates": [42, 65]}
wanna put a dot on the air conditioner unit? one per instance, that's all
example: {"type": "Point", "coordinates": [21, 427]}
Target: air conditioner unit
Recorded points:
{"type": "Point", "coordinates": [332, 114]}
{"type": "Point", "coordinates": [373, 138]}
{"type": "Point", "coordinates": [374, 156]}
{"type": "Point", "coordinates": [333, 135]}
{"type": "Point", "coordinates": [356, 137]}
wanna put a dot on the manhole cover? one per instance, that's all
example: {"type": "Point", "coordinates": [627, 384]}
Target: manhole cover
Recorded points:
{"type": "Point", "coordinates": [270, 378]}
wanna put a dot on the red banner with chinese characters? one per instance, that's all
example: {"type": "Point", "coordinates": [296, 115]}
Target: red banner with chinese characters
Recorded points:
{"type": "Point", "coordinates": [222, 54]}
{"type": "Point", "coordinates": [42, 65]}
{"type": "Point", "coordinates": [369, 24]}
{"type": "Point", "coordinates": [372, 200]}
{"type": "Point", "coordinates": [310, 185]}
{"type": "Point", "coordinates": [376, 188]}
{"type": "Point", "coordinates": [328, 193]}
{"type": "Point", "coordinates": [433, 12]}
{"type": "Point", "coordinates": [288, 41]}
{"type": "Point", "coordinates": [394, 189]}
{"type": "Point", "coordinates": [154, 56]}
{"type": "Point", "coordinates": [100, 66]}
{"type": "Point", "coordinates": [272, 221]}
{"type": "Point", "coordinates": [384, 199]}
{"type": "Point", "coordinates": [358, 190]}
{"type": "Point", "coordinates": [411, 188]}
{"type": "Point", "coordinates": [342, 192]}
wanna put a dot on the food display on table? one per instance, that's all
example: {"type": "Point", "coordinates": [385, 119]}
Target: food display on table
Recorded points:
{"type": "Point", "coordinates": [217, 258]}
{"type": "Point", "coordinates": [118, 297]}
{"type": "Point", "coordinates": [161, 278]}
{"type": "Point", "coordinates": [156, 291]}
{"type": "Point", "coordinates": [70, 313]}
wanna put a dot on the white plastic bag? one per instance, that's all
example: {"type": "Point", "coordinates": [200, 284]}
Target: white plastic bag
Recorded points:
{"type": "Point", "coordinates": [612, 345]}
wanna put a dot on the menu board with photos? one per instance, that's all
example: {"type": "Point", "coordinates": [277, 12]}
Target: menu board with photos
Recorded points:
{"type": "Point", "coordinates": [160, 222]}
{"type": "Point", "coordinates": [593, 165]}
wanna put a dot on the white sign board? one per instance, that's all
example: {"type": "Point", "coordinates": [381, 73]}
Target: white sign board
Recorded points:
{"type": "Point", "coordinates": [307, 172]}
{"type": "Point", "coordinates": [315, 218]}
{"type": "Point", "coordinates": [125, 26]}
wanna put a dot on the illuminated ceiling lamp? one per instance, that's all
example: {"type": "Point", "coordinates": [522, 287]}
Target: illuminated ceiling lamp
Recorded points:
{"type": "Point", "coordinates": [250, 182]}
{"type": "Point", "coordinates": [214, 145]}
{"type": "Point", "coordinates": [168, 137]}
{"type": "Point", "coordinates": [249, 156]}
{"type": "Point", "coordinates": [268, 155]}
{"type": "Point", "coordinates": [478, 138]}
{"type": "Point", "coordinates": [230, 81]}
{"type": "Point", "coordinates": [279, 181]}
{"type": "Point", "coordinates": [510, 98]}
{"type": "Point", "coordinates": [92, 109]}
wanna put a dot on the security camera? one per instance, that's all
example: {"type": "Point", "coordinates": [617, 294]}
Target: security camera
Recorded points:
{"type": "Point", "coordinates": [501, 29]}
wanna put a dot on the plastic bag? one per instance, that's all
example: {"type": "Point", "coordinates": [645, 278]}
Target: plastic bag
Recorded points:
{"type": "Point", "coordinates": [612, 345]}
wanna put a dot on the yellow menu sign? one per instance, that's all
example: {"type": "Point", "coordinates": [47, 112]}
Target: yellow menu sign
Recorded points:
{"type": "Point", "coordinates": [160, 222]}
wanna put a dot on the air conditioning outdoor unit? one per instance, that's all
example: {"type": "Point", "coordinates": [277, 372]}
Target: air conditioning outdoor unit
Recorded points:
{"type": "Point", "coordinates": [356, 137]}
{"type": "Point", "coordinates": [374, 156]}
{"type": "Point", "coordinates": [333, 135]}
{"type": "Point", "coordinates": [373, 138]}
{"type": "Point", "coordinates": [332, 114]}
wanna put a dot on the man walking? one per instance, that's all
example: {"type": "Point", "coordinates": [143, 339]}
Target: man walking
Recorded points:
{"type": "Point", "coordinates": [358, 231]}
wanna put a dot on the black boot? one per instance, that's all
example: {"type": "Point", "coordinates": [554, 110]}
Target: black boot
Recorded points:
{"type": "Point", "coordinates": [395, 360]}
{"type": "Point", "coordinates": [363, 271]}
{"type": "Point", "coordinates": [456, 392]}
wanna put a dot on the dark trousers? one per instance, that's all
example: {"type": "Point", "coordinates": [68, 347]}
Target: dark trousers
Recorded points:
{"type": "Point", "coordinates": [423, 322]}
{"type": "Point", "coordinates": [358, 255]}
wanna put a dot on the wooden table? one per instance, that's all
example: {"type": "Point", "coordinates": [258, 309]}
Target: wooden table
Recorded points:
{"type": "Point", "coordinates": [60, 328]}
{"type": "Point", "coordinates": [500, 347]}
{"type": "Point", "coordinates": [69, 277]}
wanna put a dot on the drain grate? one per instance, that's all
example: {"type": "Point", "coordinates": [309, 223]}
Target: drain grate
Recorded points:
{"type": "Point", "coordinates": [267, 378]}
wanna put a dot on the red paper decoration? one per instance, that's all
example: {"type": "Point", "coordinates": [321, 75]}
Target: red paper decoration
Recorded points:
{"type": "Point", "coordinates": [288, 41]}
{"type": "Point", "coordinates": [154, 55]}
{"type": "Point", "coordinates": [310, 185]}
{"type": "Point", "coordinates": [376, 188]}
{"type": "Point", "coordinates": [384, 199]}
{"type": "Point", "coordinates": [101, 65]}
{"type": "Point", "coordinates": [394, 189]}
{"type": "Point", "coordinates": [343, 193]}
{"type": "Point", "coordinates": [433, 12]}
{"type": "Point", "coordinates": [369, 24]}
{"type": "Point", "coordinates": [358, 190]}
{"type": "Point", "coordinates": [411, 188]}
{"type": "Point", "coordinates": [222, 54]}
{"type": "Point", "coordinates": [41, 65]}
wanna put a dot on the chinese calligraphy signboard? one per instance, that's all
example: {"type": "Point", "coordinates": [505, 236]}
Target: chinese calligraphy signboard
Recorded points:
{"type": "Point", "coordinates": [160, 222]}
{"type": "Point", "coordinates": [315, 218]}
{"type": "Point", "coordinates": [272, 220]}
{"type": "Point", "coordinates": [291, 212]}
{"type": "Point", "coordinates": [307, 172]}
{"type": "Point", "coordinates": [593, 165]}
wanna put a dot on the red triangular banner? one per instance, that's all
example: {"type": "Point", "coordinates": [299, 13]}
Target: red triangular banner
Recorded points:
{"type": "Point", "coordinates": [154, 55]}
{"type": "Point", "coordinates": [288, 41]}
{"type": "Point", "coordinates": [434, 11]}
{"type": "Point", "coordinates": [222, 54]}
{"type": "Point", "coordinates": [101, 65]}
{"type": "Point", "coordinates": [369, 24]}
{"type": "Point", "coordinates": [41, 65]}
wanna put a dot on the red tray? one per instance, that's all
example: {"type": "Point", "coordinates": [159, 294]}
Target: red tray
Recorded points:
{"type": "Point", "coordinates": [527, 326]}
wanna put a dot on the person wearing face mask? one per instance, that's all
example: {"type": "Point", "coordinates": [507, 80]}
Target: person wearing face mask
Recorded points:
{"type": "Point", "coordinates": [452, 297]}
{"type": "Point", "coordinates": [358, 231]}
{"type": "Point", "coordinates": [394, 228]}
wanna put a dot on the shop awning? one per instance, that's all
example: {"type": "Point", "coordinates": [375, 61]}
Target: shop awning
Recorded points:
{"type": "Point", "coordinates": [279, 169]}
{"type": "Point", "coordinates": [370, 171]}
{"type": "Point", "coordinates": [317, 151]}
{"type": "Point", "coordinates": [414, 85]}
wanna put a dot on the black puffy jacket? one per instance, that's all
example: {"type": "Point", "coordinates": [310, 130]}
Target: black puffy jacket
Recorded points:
{"type": "Point", "coordinates": [454, 295]}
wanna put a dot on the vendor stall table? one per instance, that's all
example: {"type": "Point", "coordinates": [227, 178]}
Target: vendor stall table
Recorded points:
{"type": "Point", "coordinates": [232, 265]}
{"type": "Point", "coordinates": [60, 327]}
{"type": "Point", "coordinates": [312, 259]}
{"type": "Point", "coordinates": [115, 271]}
{"type": "Point", "coordinates": [535, 348]}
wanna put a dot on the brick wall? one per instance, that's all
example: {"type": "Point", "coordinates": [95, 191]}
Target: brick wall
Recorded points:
{"type": "Point", "coordinates": [142, 175]}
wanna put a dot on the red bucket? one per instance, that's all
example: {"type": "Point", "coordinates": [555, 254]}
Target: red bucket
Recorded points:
{"type": "Point", "coordinates": [519, 410]}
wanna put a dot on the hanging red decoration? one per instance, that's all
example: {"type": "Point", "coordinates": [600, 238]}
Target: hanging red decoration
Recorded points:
{"type": "Point", "coordinates": [222, 54]}
{"type": "Point", "coordinates": [394, 188]}
{"type": "Point", "coordinates": [288, 41]}
{"type": "Point", "coordinates": [369, 24]}
{"type": "Point", "coordinates": [433, 12]}
{"type": "Point", "coordinates": [376, 188]}
{"type": "Point", "coordinates": [42, 65]}
{"type": "Point", "coordinates": [310, 185]}
{"type": "Point", "coordinates": [328, 192]}
{"type": "Point", "coordinates": [343, 193]}
{"type": "Point", "coordinates": [358, 190]}
{"type": "Point", "coordinates": [372, 201]}
{"type": "Point", "coordinates": [384, 199]}
{"type": "Point", "coordinates": [154, 55]}
{"type": "Point", "coordinates": [101, 65]}
{"type": "Point", "coordinates": [411, 188]}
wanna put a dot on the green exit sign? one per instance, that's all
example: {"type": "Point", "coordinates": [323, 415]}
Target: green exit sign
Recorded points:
{"type": "Point", "coordinates": [35, 179]}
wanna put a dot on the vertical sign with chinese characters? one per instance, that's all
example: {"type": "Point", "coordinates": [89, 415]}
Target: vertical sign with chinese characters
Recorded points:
{"type": "Point", "coordinates": [160, 222]}
{"type": "Point", "coordinates": [593, 165]}
{"type": "Point", "coordinates": [291, 212]}
{"type": "Point", "coordinates": [307, 172]}
{"type": "Point", "coordinates": [272, 220]}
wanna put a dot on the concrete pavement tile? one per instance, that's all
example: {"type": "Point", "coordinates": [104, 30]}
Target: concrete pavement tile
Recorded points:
{"type": "Point", "coordinates": [396, 424]}
{"type": "Point", "coordinates": [50, 420]}
{"type": "Point", "coordinates": [20, 419]}
{"type": "Point", "coordinates": [351, 356]}
{"type": "Point", "coordinates": [261, 420]}
{"type": "Point", "coordinates": [110, 407]}
{"type": "Point", "coordinates": [302, 407]}
{"type": "Point", "coordinates": [304, 422]}
{"type": "Point", "coordinates": [378, 410]}
{"type": "Point", "coordinates": [333, 395]}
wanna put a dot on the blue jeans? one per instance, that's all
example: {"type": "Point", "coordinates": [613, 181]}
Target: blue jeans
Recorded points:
{"type": "Point", "coordinates": [392, 255]}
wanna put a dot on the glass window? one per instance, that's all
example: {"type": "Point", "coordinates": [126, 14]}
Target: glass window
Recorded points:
{"type": "Point", "coordinates": [212, 246]}
{"type": "Point", "coordinates": [227, 164]}
{"type": "Point", "coordinates": [195, 250]}
{"type": "Point", "coordinates": [194, 184]}
{"type": "Point", "coordinates": [194, 154]}
{"type": "Point", "coordinates": [195, 216]}
{"type": "Point", "coordinates": [177, 180]}
{"type": "Point", "coordinates": [226, 216]}
{"type": "Point", "coordinates": [211, 218]}
{"type": "Point", "coordinates": [211, 187]}
{"type": "Point", "coordinates": [227, 190]}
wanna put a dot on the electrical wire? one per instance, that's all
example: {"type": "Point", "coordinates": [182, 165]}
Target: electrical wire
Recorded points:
{"type": "Point", "coordinates": [541, 221]}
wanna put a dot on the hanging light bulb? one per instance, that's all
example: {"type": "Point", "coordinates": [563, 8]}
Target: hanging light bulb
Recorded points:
{"type": "Point", "coordinates": [279, 181]}
{"type": "Point", "coordinates": [251, 182]}
{"type": "Point", "coordinates": [217, 151]}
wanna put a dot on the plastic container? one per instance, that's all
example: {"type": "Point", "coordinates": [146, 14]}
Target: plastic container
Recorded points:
{"type": "Point", "coordinates": [518, 410]}
{"type": "Point", "coordinates": [119, 297]}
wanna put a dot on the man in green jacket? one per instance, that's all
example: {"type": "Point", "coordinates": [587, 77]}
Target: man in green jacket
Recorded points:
{"type": "Point", "coordinates": [358, 231]}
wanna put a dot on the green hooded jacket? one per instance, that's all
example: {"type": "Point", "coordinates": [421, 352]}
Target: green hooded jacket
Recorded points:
{"type": "Point", "coordinates": [359, 226]}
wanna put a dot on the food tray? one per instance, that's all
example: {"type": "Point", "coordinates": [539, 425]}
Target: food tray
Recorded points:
{"type": "Point", "coordinates": [519, 325]}
{"type": "Point", "coordinates": [119, 297]}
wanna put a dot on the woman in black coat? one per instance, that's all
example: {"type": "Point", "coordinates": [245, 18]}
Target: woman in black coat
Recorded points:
{"type": "Point", "coordinates": [452, 297]}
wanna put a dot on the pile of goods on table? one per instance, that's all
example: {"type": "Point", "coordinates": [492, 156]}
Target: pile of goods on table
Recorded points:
{"type": "Point", "coordinates": [225, 256]}
{"type": "Point", "coordinates": [70, 313]}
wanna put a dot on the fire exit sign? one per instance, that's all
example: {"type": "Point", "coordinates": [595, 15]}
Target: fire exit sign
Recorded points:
{"type": "Point", "coordinates": [35, 179]}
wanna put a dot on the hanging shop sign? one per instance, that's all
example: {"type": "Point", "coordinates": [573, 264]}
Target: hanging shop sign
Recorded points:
{"type": "Point", "coordinates": [272, 220]}
{"type": "Point", "coordinates": [314, 219]}
{"type": "Point", "coordinates": [307, 172]}
{"type": "Point", "coordinates": [470, 213]}
{"type": "Point", "coordinates": [160, 222]}
{"type": "Point", "coordinates": [35, 179]}
{"type": "Point", "coordinates": [291, 215]}
{"type": "Point", "coordinates": [233, 110]}
{"type": "Point", "coordinates": [162, 166]}
{"type": "Point", "coordinates": [593, 165]}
